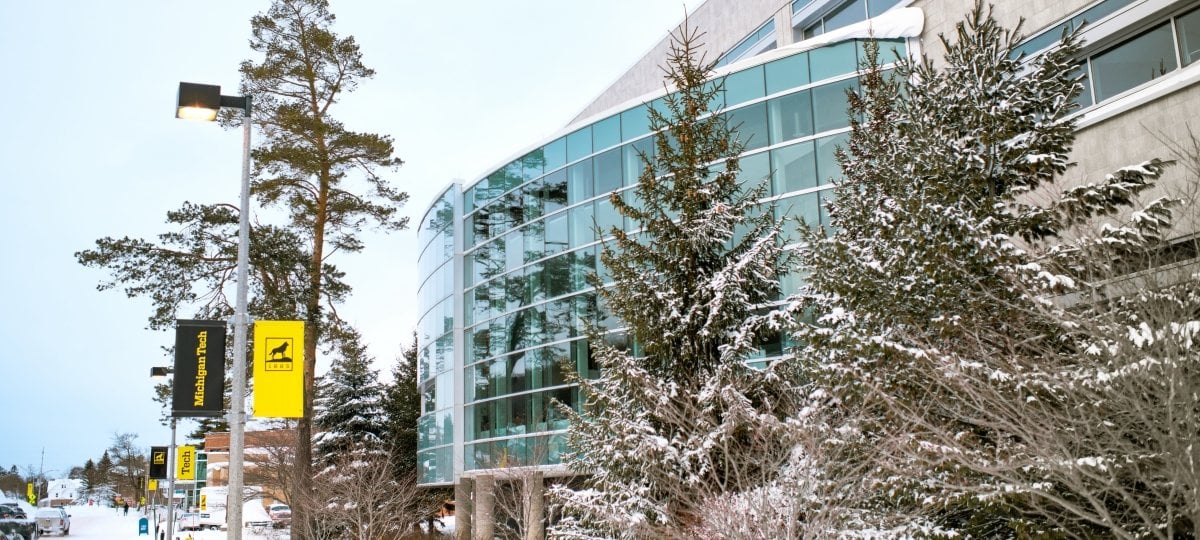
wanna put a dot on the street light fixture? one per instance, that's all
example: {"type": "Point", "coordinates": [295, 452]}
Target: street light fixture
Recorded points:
{"type": "Point", "coordinates": [201, 102]}
{"type": "Point", "coordinates": [161, 373]}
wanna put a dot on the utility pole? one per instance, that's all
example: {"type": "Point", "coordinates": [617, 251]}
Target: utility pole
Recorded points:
{"type": "Point", "coordinates": [42, 477]}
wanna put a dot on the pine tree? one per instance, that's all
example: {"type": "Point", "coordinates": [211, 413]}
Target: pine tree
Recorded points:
{"type": "Point", "coordinates": [935, 348]}
{"type": "Point", "coordinates": [402, 409]}
{"type": "Point", "coordinates": [104, 469]}
{"type": "Point", "coordinates": [681, 419]}
{"type": "Point", "coordinates": [89, 476]}
{"type": "Point", "coordinates": [349, 414]}
{"type": "Point", "coordinates": [323, 175]}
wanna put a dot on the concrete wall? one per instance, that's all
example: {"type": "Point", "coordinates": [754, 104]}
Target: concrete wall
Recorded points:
{"type": "Point", "coordinates": [942, 15]}
{"type": "Point", "coordinates": [724, 23]}
{"type": "Point", "coordinates": [1141, 134]}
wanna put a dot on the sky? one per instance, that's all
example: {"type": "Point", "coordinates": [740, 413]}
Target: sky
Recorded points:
{"type": "Point", "coordinates": [89, 148]}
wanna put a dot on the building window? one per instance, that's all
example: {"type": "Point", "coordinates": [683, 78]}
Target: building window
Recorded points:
{"type": "Point", "coordinates": [842, 14]}
{"type": "Point", "coordinates": [1139, 60]}
{"type": "Point", "coordinates": [1188, 27]}
{"type": "Point", "coordinates": [762, 39]}
{"type": "Point", "coordinates": [1146, 56]}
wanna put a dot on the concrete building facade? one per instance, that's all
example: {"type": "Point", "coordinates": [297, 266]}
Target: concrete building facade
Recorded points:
{"type": "Point", "coordinates": [503, 295]}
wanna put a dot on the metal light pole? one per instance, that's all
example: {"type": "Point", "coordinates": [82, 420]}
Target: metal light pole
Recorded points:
{"type": "Point", "coordinates": [201, 102]}
{"type": "Point", "coordinates": [161, 372]}
{"type": "Point", "coordinates": [171, 483]}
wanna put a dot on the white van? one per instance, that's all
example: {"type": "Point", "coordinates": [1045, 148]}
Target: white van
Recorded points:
{"type": "Point", "coordinates": [213, 507]}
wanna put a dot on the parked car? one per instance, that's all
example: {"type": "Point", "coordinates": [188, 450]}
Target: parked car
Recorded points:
{"type": "Point", "coordinates": [15, 524]}
{"type": "Point", "coordinates": [281, 515]}
{"type": "Point", "coordinates": [187, 521]}
{"type": "Point", "coordinates": [11, 511]}
{"type": "Point", "coordinates": [212, 520]}
{"type": "Point", "coordinates": [54, 520]}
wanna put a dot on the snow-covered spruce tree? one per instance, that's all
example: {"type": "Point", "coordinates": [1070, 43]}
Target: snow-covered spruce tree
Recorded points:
{"type": "Point", "coordinates": [402, 408]}
{"type": "Point", "coordinates": [936, 350]}
{"type": "Point", "coordinates": [680, 419]}
{"type": "Point", "coordinates": [350, 415]}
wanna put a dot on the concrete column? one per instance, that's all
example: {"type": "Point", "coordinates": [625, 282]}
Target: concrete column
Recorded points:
{"type": "Point", "coordinates": [535, 507]}
{"type": "Point", "coordinates": [485, 507]}
{"type": "Point", "coordinates": [783, 26]}
{"type": "Point", "coordinates": [464, 506]}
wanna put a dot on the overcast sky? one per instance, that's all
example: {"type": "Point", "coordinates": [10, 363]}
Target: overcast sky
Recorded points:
{"type": "Point", "coordinates": [91, 148]}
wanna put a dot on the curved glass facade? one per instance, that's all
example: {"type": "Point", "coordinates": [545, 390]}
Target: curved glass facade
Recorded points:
{"type": "Point", "coordinates": [529, 236]}
{"type": "Point", "coordinates": [435, 336]}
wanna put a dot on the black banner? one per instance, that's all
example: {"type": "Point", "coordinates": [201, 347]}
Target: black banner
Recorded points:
{"type": "Point", "coordinates": [158, 462]}
{"type": "Point", "coordinates": [199, 368]}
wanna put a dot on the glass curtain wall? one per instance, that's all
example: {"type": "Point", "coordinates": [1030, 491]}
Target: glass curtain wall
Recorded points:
{"type": "Point", "coordinates": [532, 232]}
{"type": "Point", "coordinates": [435, 335]}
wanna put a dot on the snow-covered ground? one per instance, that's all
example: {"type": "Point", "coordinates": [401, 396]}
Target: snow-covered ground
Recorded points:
{"type": "Point", "coordinates": [102, 523]}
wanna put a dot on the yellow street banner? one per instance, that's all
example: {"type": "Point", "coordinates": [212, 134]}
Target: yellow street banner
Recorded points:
{"type": "Point", "coordinates": [29, 490]}
{"type": "Point", "coordinates": [279, 369]}
{"type": "Point", "coordinates": [203, 502]}
{"type": "Point", "coordinates": [153, 484]}
{"type": "Point", "coordinates": [186, 467]}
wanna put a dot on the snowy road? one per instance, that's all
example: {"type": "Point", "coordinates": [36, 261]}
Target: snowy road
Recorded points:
{"type": "Point", "coordinates": [98, 523]}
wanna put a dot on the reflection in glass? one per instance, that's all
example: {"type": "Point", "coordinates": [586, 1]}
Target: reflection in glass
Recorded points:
{"type": "Point", "coordinates": [875, 7]}
{"type": "Point", "coordinates": [634, 123]}
{"type": "Point", "coordinates": [743, 86]}
{"type": "Point", "coordinates": [583, 264]}
{"type": "Point", "coordinates": [606, 133]}
{"type": "Point", "coordinates": [1139, 60]}
{"type": "Point", "coordinates": [791, 116]}
{"type": "Point", "coordinates": [828, 168]}
{"type": "Point", "coordinates": [830, 105]}
{"type": "Point", "coordinates": [846, 15]}
{"type": "Point", "coordinates": [755, 169]}
{"type": "Point", "coordinates": [607, 171]}
{"type": "Point", "coordinates": [750, 125]}
{"type": "Point", "coordinates": [531, 196]}
{"type": "Point", "coordinates": [1189, 36]}
{"type": "Point", "coordinates": [555, 154]}
{"type": "Point", "coordinates": [832, 61]}
{"type": "Point", "coordinates": [554, 191]}
{"type": "Point", "coordinates": [579, 182]}
{"type": "Point", "coordinates": [795, 168]}
{"type": "Point", "coordinates": [579, 144]}
{"type": "Point", "coordinates": [632, 161]}
{"type": "Point", "coordinates": [581, 225]}
{"type": "Point", "coordinates": [787, 73]}
{"type": "Point", "coordinates": [607, 218]}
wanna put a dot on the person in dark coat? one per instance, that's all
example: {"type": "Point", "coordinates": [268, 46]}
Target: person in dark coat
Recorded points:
{"type": "Point", "coordinates": [126, 508]}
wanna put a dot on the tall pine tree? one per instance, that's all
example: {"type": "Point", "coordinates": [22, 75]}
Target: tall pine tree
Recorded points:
{"type": "Point", "coordinates": [311, 166]}
{"type": "Point", "coordinates": [680, 419]}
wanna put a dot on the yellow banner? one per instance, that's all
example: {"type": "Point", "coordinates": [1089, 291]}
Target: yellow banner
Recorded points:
{"type": "Point", "coordinates": [153, 486]}
{"type": "Point", "coordinates": [203, 502]}
{"type": "Point", "coordinates": [29, 490]}
{"type": "Point", "coordinates": [185, 468]}
{"type": "Point", "coordinates": [279, 369]}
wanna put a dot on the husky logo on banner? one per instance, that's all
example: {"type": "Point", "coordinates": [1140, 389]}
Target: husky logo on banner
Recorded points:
{"type": "Point", "coordinates": [279, 369]}
{"type": "Point", "coordinates": [158, 462]}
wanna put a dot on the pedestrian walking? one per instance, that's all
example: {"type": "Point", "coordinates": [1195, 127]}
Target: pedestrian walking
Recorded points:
{"type": "Point", "coordinates": [127, 508]}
